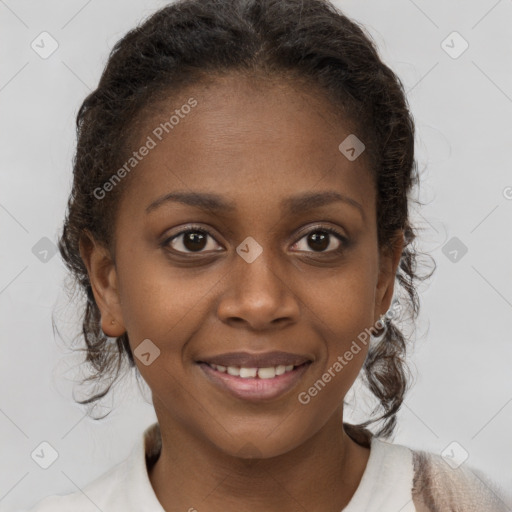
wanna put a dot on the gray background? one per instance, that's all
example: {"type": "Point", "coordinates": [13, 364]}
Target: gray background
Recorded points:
{"type": "Point", "coordinates": [462, 351]}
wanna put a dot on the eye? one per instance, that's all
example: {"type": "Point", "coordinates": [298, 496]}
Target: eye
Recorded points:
{"type": "Point", "coordinates": [190, 240]}
{"type": "Point", "coordinates": [194, 239]}
{"type": "Point", "coordinates": [322, 239]}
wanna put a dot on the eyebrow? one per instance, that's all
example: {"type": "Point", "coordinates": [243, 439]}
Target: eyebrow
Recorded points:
{"type": "Point", "coordinates": [293, 204]}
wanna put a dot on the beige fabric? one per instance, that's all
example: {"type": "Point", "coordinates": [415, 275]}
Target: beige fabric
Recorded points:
{"type": "Point", "coordinates": [439, 488]}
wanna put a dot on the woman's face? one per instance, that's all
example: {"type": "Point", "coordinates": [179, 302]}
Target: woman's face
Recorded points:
{"type": "Point", "coordinates": [256, 177]}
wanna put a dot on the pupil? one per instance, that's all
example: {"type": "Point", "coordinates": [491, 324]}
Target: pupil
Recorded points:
{"type": "Point", "coordinates": [194, 241]}
{"type": "Point", "coordinates": [319, 239]}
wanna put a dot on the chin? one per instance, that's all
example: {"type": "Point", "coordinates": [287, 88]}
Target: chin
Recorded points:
{"type": "Point", "coordinates": [258, 445]}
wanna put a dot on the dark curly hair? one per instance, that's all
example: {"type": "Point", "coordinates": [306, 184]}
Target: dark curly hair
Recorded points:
{"type": "Point", "coordinates": [309, 42]}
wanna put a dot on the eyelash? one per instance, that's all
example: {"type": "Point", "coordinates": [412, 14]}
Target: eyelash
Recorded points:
{"type": "Point", "coordinates": [325, 229]}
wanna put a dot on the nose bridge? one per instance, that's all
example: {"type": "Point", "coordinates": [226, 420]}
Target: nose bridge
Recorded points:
{"type": "Point", "coordinates": [256, 269]}
{"type": "Point", "coordinates": [257, 291]}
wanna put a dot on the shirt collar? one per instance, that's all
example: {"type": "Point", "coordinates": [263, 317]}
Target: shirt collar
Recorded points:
{"type": "Point", "coordinates": [140, 493]}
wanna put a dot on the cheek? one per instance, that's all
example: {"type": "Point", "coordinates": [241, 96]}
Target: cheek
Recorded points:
{"type": "Point", "coordinates": [161, 303]}
{"type": "Point", "coordinates": [345, 300]}
{"type": "Point", "coordinates": [344, 313]}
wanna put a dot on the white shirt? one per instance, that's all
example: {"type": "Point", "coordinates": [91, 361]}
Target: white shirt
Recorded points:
{"type": "Point", "coordinates": [386, 484]}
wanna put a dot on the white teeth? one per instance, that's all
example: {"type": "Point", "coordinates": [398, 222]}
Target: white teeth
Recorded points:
{"type": "Point", "coordinates": [247, 373]}
{"type": "Point", "coordinates": [267, 373]}
{"type": "Point", "coordinates": [280, 369]}
{"type": "Point", "coordinates": [233, 370]}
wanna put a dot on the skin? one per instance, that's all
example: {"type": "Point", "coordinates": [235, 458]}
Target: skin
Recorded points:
{"type": "Point", "coordinates": [255, 144]}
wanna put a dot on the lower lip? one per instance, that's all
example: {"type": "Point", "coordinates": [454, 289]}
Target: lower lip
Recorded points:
{"type": "Point", "coordinates": [255, 389]}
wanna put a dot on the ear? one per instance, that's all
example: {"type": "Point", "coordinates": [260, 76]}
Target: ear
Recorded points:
{"type": "Point", "coordinates": [389, 259]}
{"type": "Point", "coordinates": [103, 278]}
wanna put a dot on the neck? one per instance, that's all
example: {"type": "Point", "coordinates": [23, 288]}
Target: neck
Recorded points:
{"type": "Point", "coordinates": [321, 474]}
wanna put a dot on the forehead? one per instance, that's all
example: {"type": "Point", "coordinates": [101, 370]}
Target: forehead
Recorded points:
{"type": "Point", "coordinates": [252, 141]}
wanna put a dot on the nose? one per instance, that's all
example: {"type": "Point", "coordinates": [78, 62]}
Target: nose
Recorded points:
{"type": "Point", "coordinates": [259, 296]}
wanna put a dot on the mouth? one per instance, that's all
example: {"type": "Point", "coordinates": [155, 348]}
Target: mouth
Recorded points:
{"type": "Point", "coordinates": [255, 377]}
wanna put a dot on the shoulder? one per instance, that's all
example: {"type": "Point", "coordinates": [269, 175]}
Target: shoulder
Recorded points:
{"type": "Point", "coordinates": [59, 504]}
{"type": "Point", "coordinates": [92, 497]}
{"type": "Point", "coordinates": [109, 491]}
{"type": "Point", "coordinates": [437, 486]}
{"type": "Point", "coordinates": [126, 486]}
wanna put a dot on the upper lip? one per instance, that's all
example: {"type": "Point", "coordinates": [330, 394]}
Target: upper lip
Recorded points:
{"type": "Point", "coordinates": [261, 360]}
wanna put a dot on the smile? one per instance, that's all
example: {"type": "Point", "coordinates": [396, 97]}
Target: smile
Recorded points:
{"type": "Point", "coordinates": [254, 384]}
{"type": "Point", "coordinates": [248, 373]}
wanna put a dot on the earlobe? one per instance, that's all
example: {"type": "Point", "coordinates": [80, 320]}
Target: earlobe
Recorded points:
{"type": "Point", "coordinates": [103, 278]}
{"type": "Point", "coordinates": [389, 261]}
